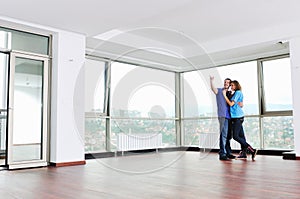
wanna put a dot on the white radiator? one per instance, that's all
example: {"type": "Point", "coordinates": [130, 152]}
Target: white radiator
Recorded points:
{"type": "Point", "coordinates": [126, 142]}
{"type": "Point", "coordinates": [211, 141]}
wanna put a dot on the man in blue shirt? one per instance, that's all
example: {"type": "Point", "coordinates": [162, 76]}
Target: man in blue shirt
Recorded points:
{"type": "Point", "coordinates": [224, 119]}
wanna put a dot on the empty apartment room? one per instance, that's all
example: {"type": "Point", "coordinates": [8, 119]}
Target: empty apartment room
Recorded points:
{"type": "Point", "coordinates": [149, 99]}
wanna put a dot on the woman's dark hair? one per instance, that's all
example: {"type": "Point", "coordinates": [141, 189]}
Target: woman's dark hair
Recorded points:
{"type": "Point", "coordinates": [237, 85]}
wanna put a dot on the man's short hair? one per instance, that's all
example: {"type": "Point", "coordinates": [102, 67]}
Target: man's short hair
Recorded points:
{"type": "Point", "coordinates": [227, 79]}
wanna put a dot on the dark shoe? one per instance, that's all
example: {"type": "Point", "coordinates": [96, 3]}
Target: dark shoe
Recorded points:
{"type": "Point", "coordinates": [242, 155]}
{"type": "Point", "coordinates": [231, 156]}
{"type": "Point", "coordinates": [253, 154]}
{"type": "Point", "coordinates": [223, 157]}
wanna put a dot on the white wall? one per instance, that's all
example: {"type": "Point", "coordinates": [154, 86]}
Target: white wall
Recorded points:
{"type": "Point", "coordinates": [67, 91]}
{"type": "Point", "coordinates": [67, 107]}
{"type": "Point", "coordinates": [295, 70]}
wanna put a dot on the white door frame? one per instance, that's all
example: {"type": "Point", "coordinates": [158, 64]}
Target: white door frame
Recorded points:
{"type": "Point", "coordinates": [44, 141]}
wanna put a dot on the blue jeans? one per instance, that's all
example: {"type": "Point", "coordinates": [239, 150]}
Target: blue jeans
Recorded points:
{"type": "Point", "coordinates": [224, 122]}
{"type": "Point", "coordinates": [238, 132]}
{"type": "Point", "coordinates": [229, 137]}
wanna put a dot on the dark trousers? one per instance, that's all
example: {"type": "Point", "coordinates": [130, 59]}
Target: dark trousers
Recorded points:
{"type": "Point", "coordinates": [223, 122]}
{"type": "Point", "coordinates": [238, 132]}
{"type": "Point", "coordinates": [229, 137]}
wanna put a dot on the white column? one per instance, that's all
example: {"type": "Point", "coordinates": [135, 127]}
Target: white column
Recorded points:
{"type": "Point", "coordinates": [295, 70]}
{"type": "Point", "coordinates": [67, 98]}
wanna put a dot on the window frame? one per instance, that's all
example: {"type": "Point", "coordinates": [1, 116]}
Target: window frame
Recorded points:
{"type": "Point", "coordinates": [262, 98]}
{"type": "Point", "coordinates": [180, 119]}
{"type": "Point", "coordinates": [106, 77]}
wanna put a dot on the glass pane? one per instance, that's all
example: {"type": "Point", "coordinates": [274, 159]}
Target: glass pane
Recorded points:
{"type": "Point", "coordinates": [94, 85]}
{"type": "Point", "coordinates": [204, 133]}
{"type": "Point", "coordinates": [201, 132]}
{"type": "Point", "coordinates": [28, 90]}
{"type": "Point", "coordinates": [5, 39]}
{"type": "Point", "coordinates": [278, 132]}
{"type": "Point", "coordinates": [23, 41]}
{"type": "Point", "coordinates": [197, 95]}
{"type": "Point", "coordinates": [3, 80]}
{"type": "Point", "coordinates": [197, 92]}
{"type": "Point", "coordinates": [246, 74]}
{"type": "Point", "coordinates": [142, 92]}
{"type": "Point", "coordinates": [3, 105]}
{"type": "Point", "coordinates": [95, 135]}
{"type": "Point", "coordinates": [278, 96]}
{"type": "Point", "coordinates": [133, 134]}
{"type": "Point", "coordinates": [252, 131]}
{"type": "Point", "coordinates": [3, 120]}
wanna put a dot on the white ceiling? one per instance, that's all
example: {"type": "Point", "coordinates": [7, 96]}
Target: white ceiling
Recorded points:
{"type": "Point", "coordinates": [178, 35]}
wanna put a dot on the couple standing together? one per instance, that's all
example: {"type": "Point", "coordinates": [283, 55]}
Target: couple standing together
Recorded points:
{"type": "Point", "coordinates": [231, 118]}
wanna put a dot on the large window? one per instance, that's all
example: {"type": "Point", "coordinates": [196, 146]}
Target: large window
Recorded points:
{"type": "Point", "coordinates": [277, 86]}
{"type": "Point", "coordinates": [201, 132]}
{"type": "Point", "coordinates": [277, 122]}
{"type": "Point", "coordinates": [95, 106]}
{"type": "Point", "coordinates": [94, 86]}
{"type": "Point", "coordinates": [129, 107]}
{"type": "Point", "coordinates": [278, 132]}
{"type": "Point", "coordinates": [142, 92]}
{"type": "Point", "coordinates": [95, 134]}
{"type": "Point", "coordinates": [142, 107]}
{"type": "Point", "coordinates": [198, 99]}
{"type": "Point", "coordinates": [246, 74]}
{"type": "Point", "coordinates": [200, 102]}
{"type": "Point", "coordinates": [199, 111]}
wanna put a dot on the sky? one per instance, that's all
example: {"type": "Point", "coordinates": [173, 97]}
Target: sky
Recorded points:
{"type": "Point", "coordinates": [146, 96]}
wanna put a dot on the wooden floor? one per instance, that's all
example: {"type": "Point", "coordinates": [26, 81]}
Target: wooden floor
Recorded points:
{"type": "Point", "coordinates": [158, 175]}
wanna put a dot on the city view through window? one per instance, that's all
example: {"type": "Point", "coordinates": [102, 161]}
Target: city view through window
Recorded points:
{"type": "Point", "coordinates": [143, 108]}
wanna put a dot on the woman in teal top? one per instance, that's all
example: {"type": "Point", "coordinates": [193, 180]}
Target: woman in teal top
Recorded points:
{"type": "Point", "coordinates": [237, 119]}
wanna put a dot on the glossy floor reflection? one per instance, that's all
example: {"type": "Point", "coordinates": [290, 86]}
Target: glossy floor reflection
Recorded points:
{"type": "Point", "coordinates": [159, 175]}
